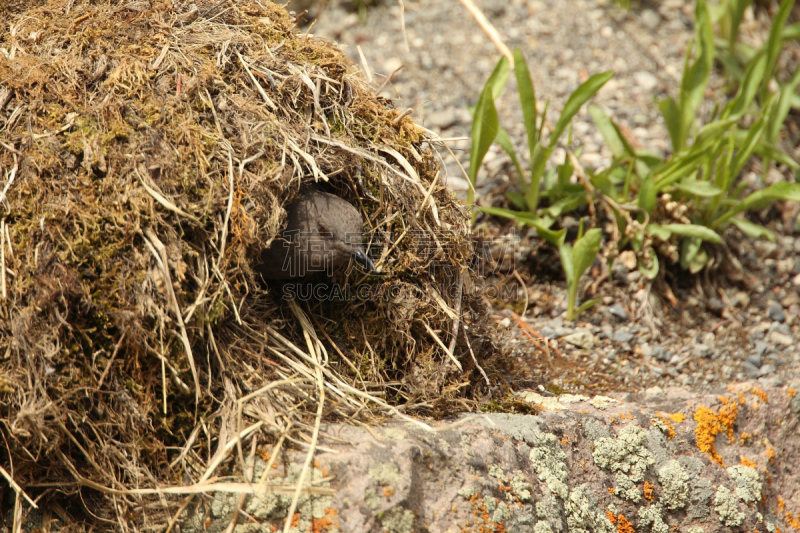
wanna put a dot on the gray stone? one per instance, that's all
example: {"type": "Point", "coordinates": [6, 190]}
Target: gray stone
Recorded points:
{"type": "Point", "coordinates": [761, 347]}
{"type": "Point", "coordinates": [618, 311]}
{"type": "Point", "coordinates": [442, 119]}
{"type": "Point", "coordinates": [750, 370]}
{"type": "Point", "coordinates": [563, 332]}
{"type": "Point", "coordinates": [702, 350]}
{"type": "Point", "coordinates": [755, 360]}
{"type": "Point", "coordinates": [775, 312]}
{"type": "Point", "coordinates": [651, 19]}
{"type": "Point", "coordinates": [581, 339]}
{"type": "Point", "coordinates": [622, 336]}
{"type": "Point", "coordinates": [548, 332]}
{"type": "Point", "coordinates": [766, 369]}
{"type": "Point", "coordinates": [645, 80]}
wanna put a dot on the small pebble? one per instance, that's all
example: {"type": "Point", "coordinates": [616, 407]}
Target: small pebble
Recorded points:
{"type": "Point", "coordinates": [775, 312]}
{"type": "Point", "coordinates": [761, 348]}
{"type": "Point", "coordinates": [781, 338]}
{"type": "Point", "coordinates": [751, 371]}
{"type": "Point", "coordinates": [622, 336]}
{"type": "Point", "coordinates": [581, 339]}
{"type": "Point", "coordinates": [701, 350]}
{"type": "Point", "coordinates": [645, 80]}
{"type": "Point", "coordinates": [755, 360]}
{"type": "Point", "coordinates": [618, 311]}
{"type": "Point", "coordinates": [548, 332]}
{"type": "Point", "coordinates": [766, 369]}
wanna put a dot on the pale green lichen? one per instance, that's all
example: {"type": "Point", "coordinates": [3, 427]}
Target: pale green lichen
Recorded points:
{"type": "Point", "coordinates": [674, 485]}
{"type": "Point", "coordinates": [627, 453]}
{"type": "Point", "coordinates": [727, 506]}
{"type": "Point", "coordinates": [695, 529]}
{"type": "Point", "coordinates": [521, 488]}
{"type": "Point", "coordinates": [468, 492]}
{"type": "Point", "coordinates": [496, 472]}
{"type": "Point", "coordinates": [386, 474]}
{"type": "Point", "coordinates": [396, 433]}
{"type": "Point", "coordinates": [627, 489]}
{"type": "Point", "coordinates": [582, 516]}
{"type": "Point", "coordinates": [549, 462]}
{"type": "Point", "coordinates": [651, 516]}
{"type": "Point", "coordinates": [501, 514]}
{"type": "Point", "coordinates": [398, 520]}
{"type": "Point", "coordinates": [490, 502]}
{"type": "Point", "coordinates": [542, 527]}
{"type": "Point", "coordinates": [372, 499]}
{"type": "Point", "coordinates": [748, 485]}
{"type": "Point", "coordinates": [541, 510]}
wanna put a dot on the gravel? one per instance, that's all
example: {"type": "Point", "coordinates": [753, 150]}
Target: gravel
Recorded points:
{"type": "Point", "coordinates": [743, 325]}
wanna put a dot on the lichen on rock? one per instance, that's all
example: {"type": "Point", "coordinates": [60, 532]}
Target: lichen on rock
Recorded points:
{"type": "Point", "coordinates": [726, 504]}
{"type": "Point", "coordinates": [627, 453]}
{"type": "Point", "coordinates": [674, 485]}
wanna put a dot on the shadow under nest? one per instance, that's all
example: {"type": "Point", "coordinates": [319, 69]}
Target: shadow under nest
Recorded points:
{"type": "Point", "coordinates": [147, 151]}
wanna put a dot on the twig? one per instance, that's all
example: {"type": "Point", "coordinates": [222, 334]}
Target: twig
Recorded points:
{"type": "Point", "coordinates": [524, 289]}
{"type": "Point", "coordinates": [110, 362]}
{"type": "Point", "coordinates": [13, 484]}
{"type": "Point", "coordinates": [457, 319]}
{"type": "Point", "coordinates": [490, 30]}
{"type": "Point", "coordinates": [3, 259]}
{"type": "Point", "coordinates": [163, 264]}
{"type": "Point", "coordinates": [445, 348]}
{"type": "Point", "coordinates": [364, 63]}
{"type": "Point", "coordinates": [388, 78]}
{"type": "Point", "coordinates": [531, 333]}
{"type": "Point", "coordinates": [10, 179]}
{"type": "Point", "coordinates": [266, 98]}
{"type": "Point", "coordinates": [403, 27]}
{"type": "Point", "coordinates": [475, 359]}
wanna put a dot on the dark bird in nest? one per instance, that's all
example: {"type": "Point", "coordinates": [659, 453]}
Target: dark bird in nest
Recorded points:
{"type": "Point", "coordinates": [323, 234]}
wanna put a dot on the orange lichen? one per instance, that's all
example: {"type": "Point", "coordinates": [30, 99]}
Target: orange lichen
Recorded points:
{"type": "Point", "coordinates": [741, 398]}
{"type": "Point", "coordinates": [791, 392]}
{"type": "Point", "coordinates": [711, 424]}
{"type": "Point", "coordinates": [295, 519]}
{"type": "Point", "coordinates": [648, 491]}
{"type": "Point", "coordinates": [670, 429]}
{"type": "Point", "coordinates": [611, 490]}
{"type": "Point", "coordinates": [677, 417]}
{"type": "Point", "coordinates": [745, 437]}
{"type": "Point", "coordinates": [760, 393]}
{"type": "Point", "coordinates": [781, 504]}
{"type": "Point", "coordinates": [747, 462]}
{"type": "Point", "coordinates": [623, 525]}
{"type": "Point", "coordinates": [611, 518]}
{"type": "Point", "coordinates": [770, 454]}
{"type": "Point", "coordinates": [388, 492]}
{"type": "Point", "coordinates": [792, 521]}
{"type": "Point", "coordinates": [321, 525]}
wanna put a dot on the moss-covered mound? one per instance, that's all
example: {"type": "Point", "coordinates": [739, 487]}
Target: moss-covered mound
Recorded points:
{"type": "Point", "coordinates": [146, 151]}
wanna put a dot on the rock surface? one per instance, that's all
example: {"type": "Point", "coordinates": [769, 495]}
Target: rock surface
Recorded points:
{"type": "Point", "coordinates": [661, 461]}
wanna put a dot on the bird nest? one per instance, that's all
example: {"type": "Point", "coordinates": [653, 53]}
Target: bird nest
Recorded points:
{"type": "Point", "coordinates": [146, 152]}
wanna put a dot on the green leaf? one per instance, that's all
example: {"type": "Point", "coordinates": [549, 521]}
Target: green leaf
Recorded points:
{"type": "Point", "coordinates": [587, 305]}
{"type": "Point", "coordinates": [556, 238]}
{"type": "Point", "coordinates": [754, 231]}
{"type": "Point", "coordinates": [608, 131]}
{"type": "Point", "coordinates": [691, 230]}
{"type": "Point", "coordinates": [485, 126]}
{"type": "Point", "coordinates": [647, 194]}
{"type": "Point", "coordinates": [576, 260]}
{"type": "Point", "coordinates": [652, 271]}
{"type": "Point", "coordinates": [672, 118]}
{"type": "Point", "coordinates": [754, 134]}
{"type": "Point", "coordinates": [581, 95]}
{"type": "Point", "coordinates": [517, 199]}
{"type": "Point", "coordinates": [538, 162]}
{"type": "Point", "coordinates": [775, 44]}
{"type": "Point", "coordinates": [504, 141]}
{"type": "Point", "coordinates": [762, 198]}
{"type": "Point", "coordinates": [748, 88]}
{"type": "Point", "coordinates": [698, 188]}
{"type": "Point", "coordinates": [693, 256]}
{"type": "Point", "coordinates": [499, 76]}
{"type": "Point", "coordinates": [527, 98]}
{"type": "Point", "coordinates": [567, 204]}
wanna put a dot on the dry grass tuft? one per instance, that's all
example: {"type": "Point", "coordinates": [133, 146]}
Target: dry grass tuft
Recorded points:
{"type": "Point", "coordinates": [147, 150]}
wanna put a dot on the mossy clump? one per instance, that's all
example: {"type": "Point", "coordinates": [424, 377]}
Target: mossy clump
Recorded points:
{"type": "Point", "coordinates": [147, 152]}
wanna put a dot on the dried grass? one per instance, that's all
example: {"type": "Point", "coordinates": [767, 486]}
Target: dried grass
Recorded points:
{"type": "Point", "coordinates": [147, 151]}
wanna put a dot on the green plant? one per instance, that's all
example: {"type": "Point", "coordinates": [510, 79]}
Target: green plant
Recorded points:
{"type": "Point", "coordinates": [674, 205]}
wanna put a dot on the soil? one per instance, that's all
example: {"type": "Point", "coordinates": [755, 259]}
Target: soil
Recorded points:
{"type": "Point", "coordinates": [702, 332]}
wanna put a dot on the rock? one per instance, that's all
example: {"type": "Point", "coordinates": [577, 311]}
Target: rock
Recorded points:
{"type": "Point", "coordinates": [796, 281]}
{"type": "Point", "coordinates": [442, 119]}
{"type": "Point", "coordinates": [781, 338]}
{"type": "Point", "coordinates": [618, 311]}
{"type": "Point", "coordinates": [646, 350]}
{"type": "Point", "coordinates": [761, 348]}
{"type": "Point", "coordinates": [454, 183]}
{"type": "Point", "coordinates": [740, 299]}
{"type": "Point", "coordinates": [766, 369]}
{"type": "Point", "coordinates": [755, 360]}
{"type": "Point", "coordinates": [548, 332]}
{"type": "Point", "coordinates": [775, 312]}
{"type": "Point", "coordinates": [651, 19]}
{"type": "Point", "coordinates": [751, 371]}
{"type": "Point", "coordinates": [563, 332]}
{"type": "Point", "coordinates": [628, 259]}
{"type": "Point", "coordinates": [581, 339]}
{"type": "Point", "coordinates": [701, 350]}
{"type": "Point", "coordinates": [622, 336]}
{"type": "Point", "coordinates": [645, 80]}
